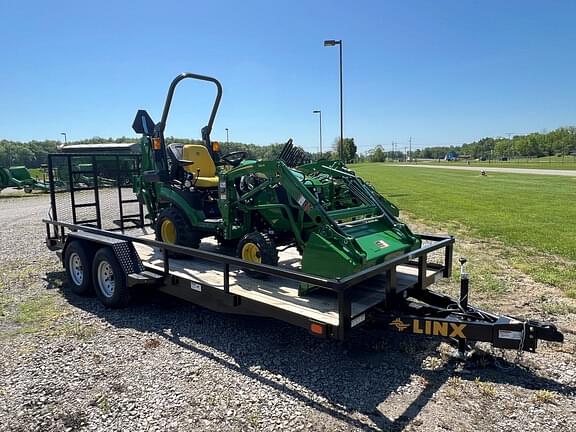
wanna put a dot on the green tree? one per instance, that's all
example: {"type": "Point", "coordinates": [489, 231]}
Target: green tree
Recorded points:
{"type": "Point", "coordinates": [377, 155]}
{"type": "Point", "coordinates": [349, 149]}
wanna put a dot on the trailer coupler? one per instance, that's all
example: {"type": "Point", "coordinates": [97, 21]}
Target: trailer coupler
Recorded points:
{"type": "Point", "coordinates": [435, 314]}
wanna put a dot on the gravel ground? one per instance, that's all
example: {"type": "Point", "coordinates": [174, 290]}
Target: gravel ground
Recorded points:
{"type": "Point", "coordinates": [69, 364]}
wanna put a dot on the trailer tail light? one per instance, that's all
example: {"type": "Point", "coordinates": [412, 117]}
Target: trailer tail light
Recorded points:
{"type": "Point", "coordinates": [156, 143]}
{"type": "Point", "coordinates": [215, 146]}
{"type": "Point", "coordinates": [317, 329]}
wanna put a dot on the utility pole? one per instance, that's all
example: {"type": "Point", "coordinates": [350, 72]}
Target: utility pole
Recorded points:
{"type": "Point", "coordinates": [405, 154]}
{"type": "Point", "coordinates": [320, 113]}
{"type": "Point", "coordinates": [410, 140]}
{"type": "Point", "coordinates": [328, 43]}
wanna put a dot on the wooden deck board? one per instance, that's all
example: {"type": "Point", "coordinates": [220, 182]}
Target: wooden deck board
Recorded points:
{"type": "Point", "coordinates": [320, 305]}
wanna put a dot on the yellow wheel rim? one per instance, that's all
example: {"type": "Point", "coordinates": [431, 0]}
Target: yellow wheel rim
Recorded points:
{"type": "Point", "coordinates": [251, 252]}
{"type": "Point", "coordinates": [168, 231]}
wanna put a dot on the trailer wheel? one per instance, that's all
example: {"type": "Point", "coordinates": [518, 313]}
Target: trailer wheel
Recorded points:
{"type": "Point", "coordinates": [109, 279]}
{"type": "Point", "coordinates": [172, 227]}
{"type": "Point", "coordinates": [257, 248]}
{"type": "Point", "coordinates": [78, 269]}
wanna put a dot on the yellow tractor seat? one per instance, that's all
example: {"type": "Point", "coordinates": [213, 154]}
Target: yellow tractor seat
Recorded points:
{"type": "Point", "coordinates": [198, 154]}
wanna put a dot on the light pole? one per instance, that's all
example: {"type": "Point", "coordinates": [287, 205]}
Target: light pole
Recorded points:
{"type": "Point", "coordinates": [64, 133]}
{"type": "Point", "coordinates": [328, 43]}
{"type": "Point", "coordinates": [227, 136]}
{"type": "Point", "coordinates": [319, 112]}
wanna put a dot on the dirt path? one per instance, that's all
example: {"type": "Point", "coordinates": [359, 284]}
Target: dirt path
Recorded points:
{"type": "Point", "coordinates": [535, 171]}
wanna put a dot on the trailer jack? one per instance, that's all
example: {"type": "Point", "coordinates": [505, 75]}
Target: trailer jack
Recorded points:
{"type": "Point", "coordinates": [434, 314]}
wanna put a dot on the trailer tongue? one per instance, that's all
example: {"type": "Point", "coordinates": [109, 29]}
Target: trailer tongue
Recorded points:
{"type": "Point", "coordinates": [433, 314]}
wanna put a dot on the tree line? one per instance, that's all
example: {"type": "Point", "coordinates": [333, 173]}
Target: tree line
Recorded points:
{"type": "Point", "coordinates": [33, 154]}
{"type": "Point", "coordinates": [561, 141]}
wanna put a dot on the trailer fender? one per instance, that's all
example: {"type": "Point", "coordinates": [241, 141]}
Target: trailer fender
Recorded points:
{"type": "Point", "coordinates": [123, 250]}
{"type": "Point", "coordinates": [89, 247]}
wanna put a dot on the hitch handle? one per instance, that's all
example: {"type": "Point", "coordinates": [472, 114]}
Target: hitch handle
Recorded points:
{"type": "Point", "coordinates": [464, 285]}
{"type": "Point", "coordinates": [463, 301]}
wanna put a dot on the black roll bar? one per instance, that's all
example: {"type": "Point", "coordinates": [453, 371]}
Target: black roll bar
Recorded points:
{"type": "Point", "coordinates": [162, 124]}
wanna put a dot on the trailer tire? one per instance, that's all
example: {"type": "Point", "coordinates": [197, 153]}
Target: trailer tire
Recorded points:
{"type": "Point", "coordinates": [260, 248]}
{"type": "Point", "coordinates": [173, 225]}
{"type": "Point", "coordinates": [78, 265]}
{"type": "Point", "coordinates": [109, 279]}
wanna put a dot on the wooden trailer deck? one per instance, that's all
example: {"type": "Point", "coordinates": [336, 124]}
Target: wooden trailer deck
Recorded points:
{"type": "Point", "coordinates": [320, 305]}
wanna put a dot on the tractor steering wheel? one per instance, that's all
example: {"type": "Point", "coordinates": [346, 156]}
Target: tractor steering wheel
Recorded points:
{"type": "Point", "coordinates": [234, 158]}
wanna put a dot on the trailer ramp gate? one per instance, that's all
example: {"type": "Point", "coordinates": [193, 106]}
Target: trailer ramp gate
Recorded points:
{"type": "Point", "coordinates": [95, 189]}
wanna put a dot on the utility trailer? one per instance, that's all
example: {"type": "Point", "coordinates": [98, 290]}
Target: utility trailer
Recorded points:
{"type": "Point", "coordinates": [108, 248]}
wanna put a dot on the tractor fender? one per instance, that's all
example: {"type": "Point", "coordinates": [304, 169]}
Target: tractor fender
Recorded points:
{"type": "Point", "coordinates": [195, 216]}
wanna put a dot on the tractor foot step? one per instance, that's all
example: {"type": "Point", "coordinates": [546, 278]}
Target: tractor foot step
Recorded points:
{"type": "Point", "coordinates": [144, 278]}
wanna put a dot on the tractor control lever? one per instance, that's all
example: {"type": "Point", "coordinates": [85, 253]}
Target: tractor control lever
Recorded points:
{"type": "Point", "coordinates": [184, 163]}
{"type": "Point", "coordinates": [195, 180]}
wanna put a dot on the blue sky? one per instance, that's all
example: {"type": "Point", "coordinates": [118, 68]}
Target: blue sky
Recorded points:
{"type": "Point", "coordinates": [443, 72]}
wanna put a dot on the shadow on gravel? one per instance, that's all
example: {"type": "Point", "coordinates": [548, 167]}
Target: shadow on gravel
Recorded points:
{"type": "Point", "coordinates": [352, 379]}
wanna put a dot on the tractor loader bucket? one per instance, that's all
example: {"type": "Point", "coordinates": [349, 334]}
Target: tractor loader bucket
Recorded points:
{"type": "Point", "coordinates": [362, 246]}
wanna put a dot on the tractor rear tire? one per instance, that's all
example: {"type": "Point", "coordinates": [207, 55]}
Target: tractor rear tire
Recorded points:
{"type": "Point", "coordinates": [257, 248]}
{"type": "Point", "coordinates": [177, 230]}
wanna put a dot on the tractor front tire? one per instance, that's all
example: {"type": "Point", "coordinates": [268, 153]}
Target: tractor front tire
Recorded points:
{"type": "Point", "coordinates": [258, 248]}
{"type": "Point", "coordinates": [172, 227]}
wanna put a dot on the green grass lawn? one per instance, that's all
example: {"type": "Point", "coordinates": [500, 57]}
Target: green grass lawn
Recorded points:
{"type": "Point", "coordinates": [37, 173]}
{"type": "Point", "coordinates": [549, 162]}
{"type": "Point", "coordinates": [531, 213]}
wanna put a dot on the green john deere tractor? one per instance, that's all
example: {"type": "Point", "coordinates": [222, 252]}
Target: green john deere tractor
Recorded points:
{"type": "Point", "coordinates": [338, 222]}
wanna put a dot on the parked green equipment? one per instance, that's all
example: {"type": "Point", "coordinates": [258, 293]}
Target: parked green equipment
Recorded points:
{"type": "Point", "coordinates": [338, 222]}
{"type": "Point", "coordinates": [19, 177]}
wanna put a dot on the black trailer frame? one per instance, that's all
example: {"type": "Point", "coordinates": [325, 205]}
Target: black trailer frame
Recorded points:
{"type": "Point", "coordinates": [408, 308]}
{"type": "Point", "coordinates": [58, 238]}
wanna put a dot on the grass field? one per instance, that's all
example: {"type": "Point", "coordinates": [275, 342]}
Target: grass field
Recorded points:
{"type": "Point", "coordinates": [549, 162]}
{"type": "Point", "coordinates": [37, 173]}
{"type": "Point", "coordinates": [534, 214]}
